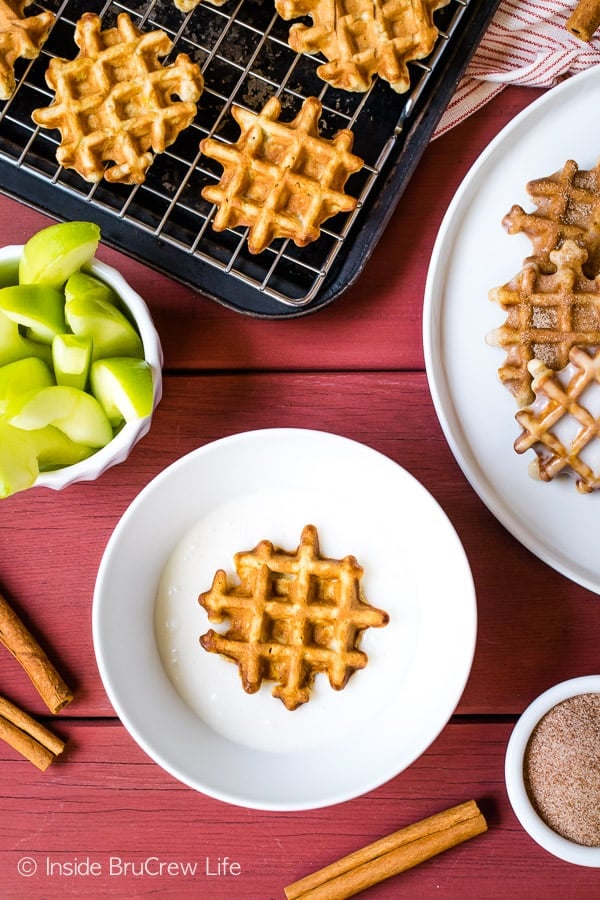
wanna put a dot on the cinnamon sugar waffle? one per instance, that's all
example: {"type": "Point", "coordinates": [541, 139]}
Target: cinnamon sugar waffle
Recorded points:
{"type": "Point", "coordinates": [567, 208]}
{"type": "Point", "coordinates": [547, 315]}
{"type": "Point", "coordinates": [292, 615]}
{"type": "Point", "coordinates": [363, 38]}
{"type": "Point", "coordinates": [280, 179]}
{"type": "Point", "coordinates": [114, 102]}
{"type": "Point", "coordinates": [21, 37]}
{"type": "Point", "coordinates": [562, 425]}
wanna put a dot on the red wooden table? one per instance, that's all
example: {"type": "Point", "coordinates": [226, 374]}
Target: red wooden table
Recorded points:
{"type": "Point", "coordinates": [105, 810]}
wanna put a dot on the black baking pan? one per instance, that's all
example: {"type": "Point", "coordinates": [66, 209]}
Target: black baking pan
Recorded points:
{"type": "Point", "coordinates": [242, 48]}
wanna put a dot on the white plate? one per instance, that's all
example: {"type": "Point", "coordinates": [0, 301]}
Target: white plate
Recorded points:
{"type": "Point", "coordinates": [187, 709]}
{"type": "Point", "coordinates": [472, 254]}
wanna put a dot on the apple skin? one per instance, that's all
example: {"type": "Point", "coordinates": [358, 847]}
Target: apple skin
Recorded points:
{"type": "Point", "coordinates": [75, 412]}
{"type": "Point", "coordinates": [51, 255]}
{"type": "Point", "coordinates": [123, 386]}
{"type": "Point", "coordinates": [39, 309]}
{"type": "Point", "coordinates": [22, 376]}
{"type": "Point", "coordinates": [18, 460]}
{"type": "Point", "coordinates": [91, 310]}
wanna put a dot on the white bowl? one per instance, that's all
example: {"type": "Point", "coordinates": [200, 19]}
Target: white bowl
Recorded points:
{"type": "Point", "coordinates": [121, 445]}
{"type": "Point", "coordinates": [187, 709]}
{"type": "Point", "coordinates": [523, 808]}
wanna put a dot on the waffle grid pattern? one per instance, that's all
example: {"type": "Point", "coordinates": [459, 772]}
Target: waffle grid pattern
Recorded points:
{"type": "Point", "coordinates": [291, 616]}
{"type": "Point", "coordinates": [564, 401]}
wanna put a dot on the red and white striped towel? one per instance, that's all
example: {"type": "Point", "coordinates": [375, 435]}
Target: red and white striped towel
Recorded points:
{"type": "Point", "coordinates": [526, 43]}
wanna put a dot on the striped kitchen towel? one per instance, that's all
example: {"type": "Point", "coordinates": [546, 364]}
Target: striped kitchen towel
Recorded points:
{"type": "Point", "coordinates": [526, 43]}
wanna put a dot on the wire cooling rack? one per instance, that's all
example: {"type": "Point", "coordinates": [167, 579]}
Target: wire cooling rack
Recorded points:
{"type": "Point", "coordinates": [245, 59]}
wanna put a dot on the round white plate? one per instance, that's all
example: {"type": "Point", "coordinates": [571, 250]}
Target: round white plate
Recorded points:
{"type": "Point", "coordinates": [472, 254]}
{"type": "Point", "coordinates": [187, 709]}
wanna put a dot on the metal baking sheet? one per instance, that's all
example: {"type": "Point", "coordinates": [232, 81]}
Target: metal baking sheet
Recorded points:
{"type": "Point", "coordinates": [245, 58]}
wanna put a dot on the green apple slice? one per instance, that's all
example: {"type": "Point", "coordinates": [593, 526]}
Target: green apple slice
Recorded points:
{"type": "Point", "coordinates": [82, 284]}
{"type": "Point", "coordinates": [76, 413]}
{"type": "Point", "coordinates": [54, 449]}
{"type": "Point", "coordinates": [72, 358]}
{"type": "Point", "coordinates": [22, 376]}
{"type": "Point", "coordinates": [14, 346]}
{"type": "Point", "coordinates": [54, 253]}
{"type": "Point", "coordinates": [91, 310]}
{"type": "Point", "coordinates": [124, 388]}
{"type": "Point", "coordinates": [18, 460]}
{"type": "Point", "coordinates": [36, 307]}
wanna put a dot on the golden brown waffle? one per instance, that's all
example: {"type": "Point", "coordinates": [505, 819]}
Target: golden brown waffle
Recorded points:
{"type": "Point", "coordinates": [21, 37]}
{"type": "Point", "coordinates": [363, 38]}
{"type": "Point", "coordinates": [547, 315]}
{"type": "Point", "coordinates": [291, 616]}
{"type": "Point", "coordinates": [114, 102]}
{"type": "Point", "coordinates": [562, 425]}
{"type": "Point", "coordinates": [187, 6]}
{"type": "Point", "coordinates": [281, 179]}
{"type": "Point", "coordinates": [567, 208]}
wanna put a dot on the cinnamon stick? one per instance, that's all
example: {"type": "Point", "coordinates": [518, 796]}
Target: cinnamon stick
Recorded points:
{"type": "Point", "coordinates": [584, 20]}
{"type": "Point", "coordinates": [27, 651]}
{"type": "Point", "coordinates": [39, 745]}
{"type": "Point", "coordinates": [391, 855]}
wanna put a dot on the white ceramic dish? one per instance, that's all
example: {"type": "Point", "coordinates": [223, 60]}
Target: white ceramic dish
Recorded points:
{"type": "Point", "coordinates": [187, 709]}
{"type": "Point", "coordinates": [472, 254]}
{"type": "Point", "coordinates": [120, 447]}
{"type": "Point", "coordinates": [515, 786]}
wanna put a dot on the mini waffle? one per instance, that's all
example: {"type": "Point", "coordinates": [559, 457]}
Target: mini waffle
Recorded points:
{"type": "Point", "coordinates": [21, 37]}
{"type": "Point", "coordinates": [114, 102]}
{"type": "Point", "coordinates": [292, 615]}
{"type": "Point", "coordinates": [567, 208]}
{"type": "Point", "coordinates": [562, 425]}
{"type": "Point", "coordinates": [547, 315]}
{"type": "Point", "coordinates": [280, 179]}
{"type": "Point", "coordinates": [363, 38]}
{"type": "Point", "coordinates": [186, 6]}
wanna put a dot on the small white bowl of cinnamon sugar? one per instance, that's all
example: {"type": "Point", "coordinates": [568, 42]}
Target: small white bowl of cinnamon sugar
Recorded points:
{"type": "Point", "coordinates": [552, 770]}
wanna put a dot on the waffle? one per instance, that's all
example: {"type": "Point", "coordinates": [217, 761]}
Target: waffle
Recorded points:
{"type": "Point", "coordinates": [547, 315]}
{"type": "Point", "coordinates": [281, 179]}
{"type": "Point", "coordinates": [567, 207]}
{"type": "Point", "coordinates": [363, 38]}
{"type": "Point", "coordinates": [292, 615]}
{"type": "Point", "coordinates": [21, 37]}
{"type": "Point", "coordinates": [186, 6]}
{"type": "Point", "coordinates": [562, 425]}
{"type": "Point", "coordinates": [114, 102]}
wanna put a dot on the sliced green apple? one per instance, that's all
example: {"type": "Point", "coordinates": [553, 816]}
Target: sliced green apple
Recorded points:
{"type": "Point", "coordinates": [76, 413]}
{"type": "Point", "coordinates": [54, 449]}
{"type": "Point", "coordinates": [91, 310]}
{"type": "Point", "coordinates": [22, 376]}
{"type": "Point", "coordinates": [51, 255]}
{"type": "Point", "coordinates": [14, 346]}
{"type": "Point", "coordinates": [36, 307]}
{"type": "Point", "coordinates": [71, 358]}
{"type": "Point", "coordinates": [124, 388]}
{"type": "Point", "coordinates": [18, 460]}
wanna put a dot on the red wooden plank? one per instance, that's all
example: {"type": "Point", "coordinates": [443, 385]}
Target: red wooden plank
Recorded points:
{"type": "Point", "coordinates": [536, 628]}
{"type": "Point", "coordinates": [106, 800]}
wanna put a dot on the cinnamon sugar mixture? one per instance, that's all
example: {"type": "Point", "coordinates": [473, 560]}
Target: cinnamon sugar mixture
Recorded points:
{"type": "Point", "coordinates": [562, 769]}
